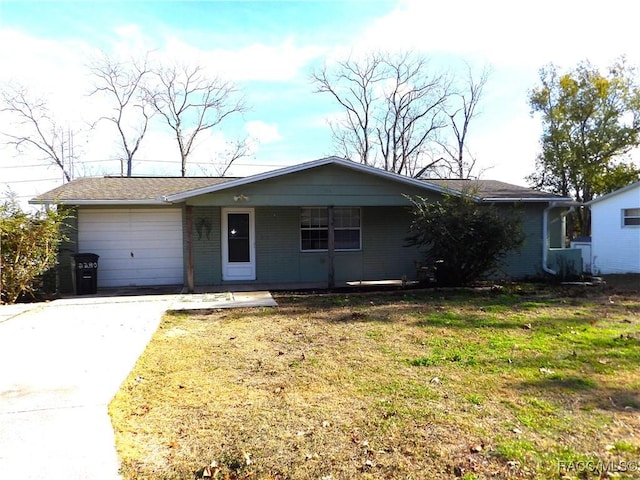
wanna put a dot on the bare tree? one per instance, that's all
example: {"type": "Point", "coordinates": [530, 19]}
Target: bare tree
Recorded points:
{"type": "Point", "coordinates": [393, 106]}
{"type": "Point", "coordinates": [220, 168]}
{"type": "Point", "coordinates": [122, 83]}
{"type": "Point", "coordinates": [353, 85]}
{"type": "Point", "coordinates": [461, 109]}
{"type": "Point", "coordinates": [413, 114]}
{"type": "Point", "coordinates": [35, 129]}
{"type": "Point", "coordinates": [191, 103]}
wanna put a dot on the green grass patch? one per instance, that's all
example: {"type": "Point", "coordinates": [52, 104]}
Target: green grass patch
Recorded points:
{"type": "Point", "coordinates": [395, 385]}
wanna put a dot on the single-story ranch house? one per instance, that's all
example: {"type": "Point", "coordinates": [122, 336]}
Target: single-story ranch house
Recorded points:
{"type": "Point", "coordinates": [274, 230]}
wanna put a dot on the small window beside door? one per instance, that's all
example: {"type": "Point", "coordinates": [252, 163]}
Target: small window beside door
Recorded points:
{"type": "Point", "coordinates": [631, 217]}
{"type": "Point", "coordinates": [314, 228]}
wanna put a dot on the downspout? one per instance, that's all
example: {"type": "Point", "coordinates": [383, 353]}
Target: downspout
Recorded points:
{"type": "Point", "coordinates": [545, 238]}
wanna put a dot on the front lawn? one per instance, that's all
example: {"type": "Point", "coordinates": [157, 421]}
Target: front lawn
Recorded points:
{"type": "Point", "coordinates": [526, 382]}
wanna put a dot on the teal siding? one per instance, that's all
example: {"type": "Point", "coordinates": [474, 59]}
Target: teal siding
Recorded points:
{"type": "Point", "coordinates": [278, 255]}
{"type": "Point", "coordinates": [313, 267]}
{"type": "Point", "coordinates": [279, 259]}
{"type": "Point", "coordinates": [526, 262]}
{"type": "Point", "coordinates": [207, 261]}
{"type": "Point", "coordinates": [277, 244]}
{"type": "Point", "coordinates": [328, 185]}
{"type": "Point", "coordinates": [385, 253]}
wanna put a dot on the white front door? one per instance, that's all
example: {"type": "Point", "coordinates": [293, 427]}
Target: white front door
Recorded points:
{"type": "Point", "coordinates": [238, 244]}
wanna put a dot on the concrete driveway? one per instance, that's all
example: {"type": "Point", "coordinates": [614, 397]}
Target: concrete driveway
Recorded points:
{"type": "Point", "coordinates": [62, 362]}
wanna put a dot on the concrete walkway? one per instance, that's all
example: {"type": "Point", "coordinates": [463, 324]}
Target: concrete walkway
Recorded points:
{"type": "Point", "coordinates": [61, 363]}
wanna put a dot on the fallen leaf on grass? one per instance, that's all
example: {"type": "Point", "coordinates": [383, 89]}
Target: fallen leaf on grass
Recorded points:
{"type": "Point", "coordinates": [476, 448]}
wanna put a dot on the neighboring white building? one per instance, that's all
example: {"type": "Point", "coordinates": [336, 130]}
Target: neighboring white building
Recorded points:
{"type": "Point", "coordinates": [615, 231]}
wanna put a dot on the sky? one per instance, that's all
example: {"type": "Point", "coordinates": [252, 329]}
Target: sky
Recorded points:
{"type": "Point", "coordinates": [269, 49]}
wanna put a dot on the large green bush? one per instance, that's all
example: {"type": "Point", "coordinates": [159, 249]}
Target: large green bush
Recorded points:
{"type": "Point", "coordinates": [462, 239]}
{"type": "Point", "coordinates": [28, 248]}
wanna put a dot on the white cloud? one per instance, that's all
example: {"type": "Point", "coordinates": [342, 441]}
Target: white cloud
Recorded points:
{"type": "Point", "coordinates": [52, 69]}
{"type": "Point", "coordinates": [509, 33]}
{"type": "Point", "coordinates": [263, 132]}
{"type": "Point", "coordinates": [279, 62]}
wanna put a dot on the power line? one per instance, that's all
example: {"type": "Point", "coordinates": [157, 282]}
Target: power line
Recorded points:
{"type": "Point", "coordinates": [37, 165]}
{"type": "Point", "coordinates": [57, 179]}
{"type": "Point", "coordinates": [81, 162]}
{"type": "Point", "coordinates": [3, 196]}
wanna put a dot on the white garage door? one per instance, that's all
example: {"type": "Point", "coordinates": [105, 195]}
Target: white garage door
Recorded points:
{"type": "Point", "coordinates": [137, 247]}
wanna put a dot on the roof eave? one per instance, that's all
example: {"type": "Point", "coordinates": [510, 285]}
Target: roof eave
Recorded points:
{"type": "Point", "coordinates": [98, 202]}
{"type": "Point", "coordinates": [563, 200]}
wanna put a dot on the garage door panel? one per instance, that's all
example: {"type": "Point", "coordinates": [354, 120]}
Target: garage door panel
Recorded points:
{"type": "Point", "coordinates": [139, 277]}
{"type": "Point", "coordinates": [153, 236]}
{"type": "Point", "coordinates": [148, 227]}
{"type": "Point", "coordinates": [104, 244]}
{"type": "Point", "coordinates": [158, 239]}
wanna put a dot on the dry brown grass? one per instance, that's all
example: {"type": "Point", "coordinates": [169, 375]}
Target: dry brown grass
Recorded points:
{"type": "Point", "coordinates": [403, 385]}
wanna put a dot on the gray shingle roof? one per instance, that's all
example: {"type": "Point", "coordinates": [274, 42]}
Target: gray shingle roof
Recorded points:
{"type": "Point", "coordinates": [143, 189]}
{"type": "Point", "coordinates": [493, 189]}
{"type": "Point", "coordinates": [150, 190]}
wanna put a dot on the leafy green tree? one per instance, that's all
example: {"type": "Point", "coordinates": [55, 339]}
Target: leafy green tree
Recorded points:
{"type": "Point", "coordinates": [28, 248]}
{"type": "Point", "coordinates": [591, 122]}
{"type": "Point", "coordinates": [464, 240]}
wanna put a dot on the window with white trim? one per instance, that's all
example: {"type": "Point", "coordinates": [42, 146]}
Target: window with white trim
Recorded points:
{"type": "Point", "coordinates": [631, 217]}
{"type": "Point", "coordinates": [314, 228]}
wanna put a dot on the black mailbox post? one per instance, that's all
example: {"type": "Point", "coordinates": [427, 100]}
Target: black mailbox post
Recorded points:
{"type": "Point", "coordinates": [84, 272]}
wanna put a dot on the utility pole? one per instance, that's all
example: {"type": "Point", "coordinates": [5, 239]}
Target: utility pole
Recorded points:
{"type": "Point", "coordinates": [71, 155]}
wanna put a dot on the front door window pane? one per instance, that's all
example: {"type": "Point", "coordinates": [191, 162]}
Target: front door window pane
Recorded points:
{"type": "Point", "coordinates": [238, 237]}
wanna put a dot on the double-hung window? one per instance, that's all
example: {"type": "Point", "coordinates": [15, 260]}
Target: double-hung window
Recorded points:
{"type": "Point", "coordinates": [631, 217]}
{"type": "Point", "coordinates": [314, 228]}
